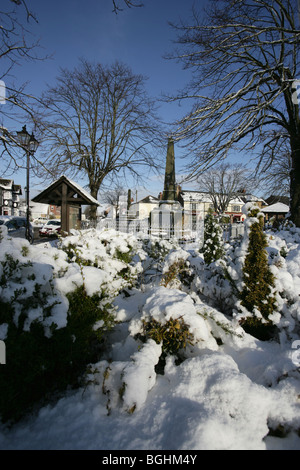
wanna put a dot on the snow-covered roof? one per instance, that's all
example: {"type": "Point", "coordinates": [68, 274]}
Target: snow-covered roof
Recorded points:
{"type": "Point", "coordinates": [279, 207]}
{"type": "Point", "coordinates": [6, 184]}
{"type": "Point", "coordinates": [147, 200]}
{"type": "Point", "coordinates": [82, 191]}
{"type": "Point", "coordinates": [252, 198]}
{"type": "Point", "coordinates": [201, 196]}
{"type": "Point", "coordinates": [43, 196]}
{"type": "Point", "coordinates": [195, 196]}
{"type": "Point", "coordinates": [38, 206]}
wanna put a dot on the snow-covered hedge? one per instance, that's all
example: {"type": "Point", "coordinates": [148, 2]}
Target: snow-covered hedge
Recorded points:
{"type": "Point", "coordinates": [55, 307]}
{"type": "Point", "coordinates": [154, 296]}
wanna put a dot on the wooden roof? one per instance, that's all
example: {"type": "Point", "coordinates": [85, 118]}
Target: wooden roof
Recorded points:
{"type": "Point", "coordinates": [75, 194]}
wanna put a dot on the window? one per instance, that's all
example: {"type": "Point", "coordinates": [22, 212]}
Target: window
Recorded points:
{"type": "Point", "coordinates": [194, 222]}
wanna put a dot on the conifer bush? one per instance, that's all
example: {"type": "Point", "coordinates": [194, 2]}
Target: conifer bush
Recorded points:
{"type": "Point", "coordinates": [213, 240]}
{"type": "Point", "coordinates": [257, 295]}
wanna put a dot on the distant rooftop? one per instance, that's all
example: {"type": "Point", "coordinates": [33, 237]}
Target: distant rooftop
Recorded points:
{"type": "Point", "coordinates": [279, 207]}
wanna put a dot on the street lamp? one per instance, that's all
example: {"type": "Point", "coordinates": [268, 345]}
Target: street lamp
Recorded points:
{"type": "Point", "coordinates": [29, 144]}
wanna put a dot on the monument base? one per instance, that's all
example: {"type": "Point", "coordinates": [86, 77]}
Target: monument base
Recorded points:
{"type": "Point", "coordinates": [166, 221]}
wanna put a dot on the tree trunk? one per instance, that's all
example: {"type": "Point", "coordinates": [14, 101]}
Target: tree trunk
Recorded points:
{"type": "Point", "coordinates": [295, 181]}
{"type": "Point", "coordinates": [93, 209]}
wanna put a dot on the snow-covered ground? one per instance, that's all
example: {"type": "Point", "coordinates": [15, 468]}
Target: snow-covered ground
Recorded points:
{"type": "Point", "coordinates": [228, 392]}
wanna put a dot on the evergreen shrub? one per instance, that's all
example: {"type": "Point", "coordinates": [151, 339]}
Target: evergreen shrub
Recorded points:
{"type": "Point", "coordinates": [257, 295]}
{"type": "Point", "coordinates": [39, 366]}
{"type": "Point", "coordinates": [177, 271]}
{"type": "Point", "coordinates": [213, 248]}
{"type": "Point", "coordinates": [174, 335]}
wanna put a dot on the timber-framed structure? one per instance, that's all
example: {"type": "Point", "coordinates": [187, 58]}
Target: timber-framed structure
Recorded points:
{"type": "Point", "coordinates": [70, 197]}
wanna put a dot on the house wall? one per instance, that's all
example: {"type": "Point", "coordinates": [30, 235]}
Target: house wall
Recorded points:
{"type": "Point", "coordinates": [199, 204]}
{"type": "Point", "coordinates": [141, 210]}
{"type": "Point", "coordinates": [9, 198]}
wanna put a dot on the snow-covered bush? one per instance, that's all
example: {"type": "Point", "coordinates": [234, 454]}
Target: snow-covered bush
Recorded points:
{"type": "Point", "coordinates": [138, 376]}
{"type": "Point", "coordinates": [258, 292]}
{"type": "Point", "coordinates": [176, 270]}
{"type": "Point", "coordinates": [55, 310]}
{"type": "Point", "coordinates": [110, 250]}
{"type": "Point", "coordinates": [213, 239]}
{"type": "Point", "coordinates": [158, 249]}
{"type": "Point", "coordinates": [173, 335]}
{"type": "Point", "coordinates": [175, 324]}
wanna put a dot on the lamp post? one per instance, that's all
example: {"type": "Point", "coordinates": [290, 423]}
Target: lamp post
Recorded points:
{"type": "Point", "coordinates": [29, 144]}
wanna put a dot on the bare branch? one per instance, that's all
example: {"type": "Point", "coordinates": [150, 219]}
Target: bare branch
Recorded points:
{"type": "Point", "coordinates": [224, 183]}
{"type": "Point", "coordinates": [99, 121]}
{"type": "Point", "coordinates": [128, 3]}
{"type": "Point", "coordinates": [244, 60]}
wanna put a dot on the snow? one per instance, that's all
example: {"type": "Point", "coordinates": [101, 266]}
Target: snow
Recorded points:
{"type": "Point", "coordinates": [79, 189]}
{"type": "Point", "coordinates": [226, 394]}
{"type": "Point", "coordinates": [279, 207]}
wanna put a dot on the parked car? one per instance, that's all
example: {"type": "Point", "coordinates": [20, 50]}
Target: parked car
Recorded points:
{"type": "Point", "coordinates": [40, 221]}
{"type": "Point", "coordinates": [50, 229]}
{"type": "Point", "coordinates": [16, 226]}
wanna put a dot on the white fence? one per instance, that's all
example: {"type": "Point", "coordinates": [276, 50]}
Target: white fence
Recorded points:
{"type": "Point", "coordinates": [136, 226]}
{"type": "Point", "coordinates": [167, 221]}
{"type": "Point", "coordinates": [186, 232]}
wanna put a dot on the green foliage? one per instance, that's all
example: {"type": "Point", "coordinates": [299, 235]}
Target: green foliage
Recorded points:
{"type": "Point", "coordinates": [213, 241]}
{"type": "Point", "coordinates": [10, 268]}
{"type": "Point", "coordinates": [74, 255]}
{"type": "Point", "coordinates": [174, 335]}
{"type": "Point", "coordinates": [258, 291]}
{"type": "Point", "coordinates": [158, 249]}
{"type": "Point", "coordinates": [39, 367]}
{"type": "Point", "coordinates": [24, 250]}
{"type": "Point", "coordinates": [125, 256]}
{"type": "Point", "coordinates": [177, 271]}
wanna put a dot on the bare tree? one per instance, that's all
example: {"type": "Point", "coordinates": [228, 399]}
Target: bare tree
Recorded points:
{"type": "Point", "coordinates": [244, 58]}
{"type": "Point", "coordinates": [276, 177]}
{"type": "Point", "coordinates": [224, 182]}
{"type": "Point", "coordinates": [99, 121]}
{"type": "Point", "coordinates": [15, 41]}
{"type": "Point", "coordinates": [112, 196]}
{"type": "Point", "coordinates": [17, 44]}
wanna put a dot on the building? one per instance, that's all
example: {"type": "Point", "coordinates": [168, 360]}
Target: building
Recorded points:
{"type": "Point", "coordinates": [141, 209]}
{"type": "Point", "coordinates": [277, 211]}
{"type": "Point", "coordinates": [54, 212]}
{"type": "Point", "coordinates": [9, 197]}
{"type": "Point", "coordinates": [69, 196]}
{"type": "Point", "coordinates": [258, 201]}
{"type": "Point", "coordinates": [38, 210]}
{"type": "Point", "coordinates": [195, 203]}
{"type": "Point", "coordinates": [198, 204]}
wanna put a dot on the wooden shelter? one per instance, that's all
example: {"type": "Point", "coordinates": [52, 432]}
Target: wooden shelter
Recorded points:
{"type": "Point", "coordinates": [70, 197]}
{"type": "Point", "coordinates": [278, 211]}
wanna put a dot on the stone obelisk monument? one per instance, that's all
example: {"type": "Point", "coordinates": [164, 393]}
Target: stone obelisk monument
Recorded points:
{"type": "Point", "coordinates": [169, 193]}
{"type": "Point", "coordinates": [166, 220]}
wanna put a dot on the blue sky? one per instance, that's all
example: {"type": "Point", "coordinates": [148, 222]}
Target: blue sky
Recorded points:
{"type": "Point", "coordinates": [70, 29]}
{"type": "Point", "coordinates": [139, 37]}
